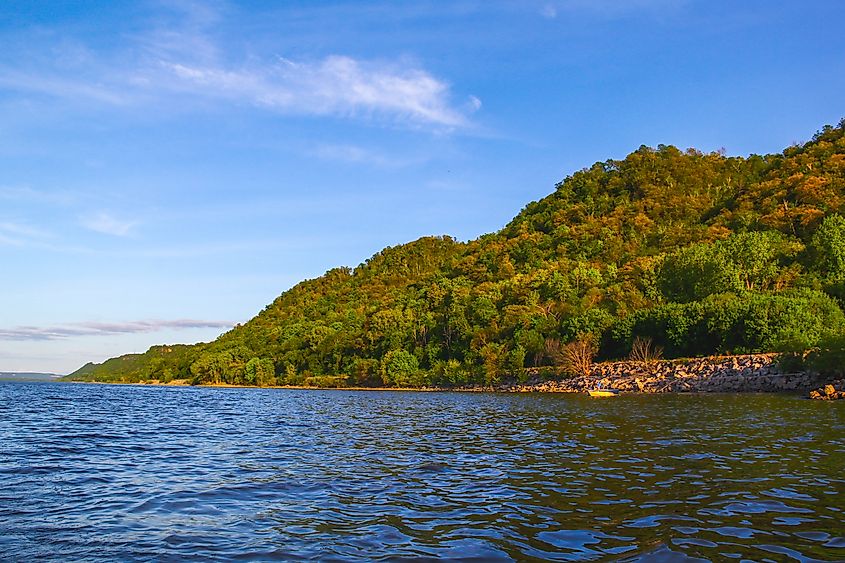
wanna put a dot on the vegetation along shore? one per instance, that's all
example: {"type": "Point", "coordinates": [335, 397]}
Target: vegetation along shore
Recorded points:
{"type": "Point", "coordinates": [716, 374]}
{"type": "Point", "coordinates": [662, 255]}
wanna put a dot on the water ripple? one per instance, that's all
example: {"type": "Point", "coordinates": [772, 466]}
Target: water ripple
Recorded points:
{"type": "Point", "coordinates": [97, 472]}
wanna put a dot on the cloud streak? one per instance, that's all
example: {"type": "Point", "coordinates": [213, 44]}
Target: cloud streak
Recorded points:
{"type": "Point", "coordinates": [333, 86]}
{"type": "Point", "coordinates": [29, 195]}
{"type": "Point", "coordinates": [108, 225]}
{"type": "Point", "coordinates": [353, 154]}
{"type": "Point", "coordinates": [608, 8]}
{"type": "Point", "coordinates": [59, 86]}
{"type": "Point", "coordinates": [58, 332]}
{"type": "Point", "coordinates": [16, 234]}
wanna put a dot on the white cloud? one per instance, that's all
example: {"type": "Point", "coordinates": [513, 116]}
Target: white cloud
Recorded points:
{"type": "Point", "coordinates": [108, 225]}
{"type": "Point", "coordinates": [336, 85]}
{"type": "Point", "coordinates": [473, 103]}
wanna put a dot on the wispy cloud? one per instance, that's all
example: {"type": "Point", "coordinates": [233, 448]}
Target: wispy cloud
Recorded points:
{"type": "Point", "coordinates": [335, 85]}
{"type": "Point", "coordinates": [180, 60]}
{"type": "Point", "coordinates": [107, 224]}
{"type": "Point", "coordinates": [23, 230]}
{"type": "Point", "coordinates": [29, 195]}
{"type": "Point", "coordinates": [17, 234]}
{"type": "Point", "coordinates": [607, 8]}
{"type": "Point", "coordinates": [354, 154]}
{"type": "Point", "coordinates": [25, 236]}
{"type": "Point", "coordinates": [548, 11]}
{"type": "Point", "coordinates": [105, 329]}
{"type": "Point", "coordinates": [65, 87]}
{"type": "Point", "coordinates": [6, 240]}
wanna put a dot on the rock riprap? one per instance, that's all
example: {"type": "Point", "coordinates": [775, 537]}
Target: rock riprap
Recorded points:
{"type": "Point", "coordinates": [715, 374]}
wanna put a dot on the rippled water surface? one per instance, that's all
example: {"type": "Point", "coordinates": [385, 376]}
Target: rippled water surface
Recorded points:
{"type": "Point", "coordinates": [152, 473]}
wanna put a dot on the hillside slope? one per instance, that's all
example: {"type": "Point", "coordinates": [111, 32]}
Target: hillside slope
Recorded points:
{"type": "Point", "coordinates": [702, 253]}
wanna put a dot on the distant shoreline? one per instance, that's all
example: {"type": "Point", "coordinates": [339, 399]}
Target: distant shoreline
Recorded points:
{"type": "Point", "coordinates": [184, 383]}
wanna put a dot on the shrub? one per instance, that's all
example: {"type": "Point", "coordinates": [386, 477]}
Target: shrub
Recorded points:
{"type": "Point", "coordinates": [829, 357]}
{"type": "Point", "coordinates": [326, 381]}
{"type": "Point", "coordinates": [577, 356]}
{"type": "Point", "coordinates": [365, 371]}
{"type": "Point", "coordinates": [450, 373]}
{"type": "Point", "coordinates": [546, 374]}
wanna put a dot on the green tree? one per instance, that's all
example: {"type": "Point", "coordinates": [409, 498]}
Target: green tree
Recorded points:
{"type": "Point", "coordinates": [757, 256]}
{"type": "Point", "coordinates": [827, 248]}
{"type": "Point", "coordinates": [400, 368]}
{"type": "Point", "coordinates": [494, 358]}
{"type": "Point", "coordinates": [259, 371]}
{"type": "Point", "coordinates": [697, 271]}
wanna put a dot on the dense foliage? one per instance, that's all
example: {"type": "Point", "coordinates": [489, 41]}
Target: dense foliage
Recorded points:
{"type": "Point", "coordinates": [701, 253]}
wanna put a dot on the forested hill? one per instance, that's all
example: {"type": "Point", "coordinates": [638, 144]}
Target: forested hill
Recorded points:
{"type": "Point", "coordinates": [700, 252]}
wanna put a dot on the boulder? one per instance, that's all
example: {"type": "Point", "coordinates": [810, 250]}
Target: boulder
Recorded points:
{"type": "Point", "coordinates": [829, 392]}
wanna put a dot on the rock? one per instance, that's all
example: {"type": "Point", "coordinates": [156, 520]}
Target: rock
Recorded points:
{"type": "Point", "coordinates": [829, 392]}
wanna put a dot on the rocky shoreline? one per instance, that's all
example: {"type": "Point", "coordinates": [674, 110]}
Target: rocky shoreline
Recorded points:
{"type": "Point", "coordinates": [752, 373]}
{"type": "Point", "coordinates": [716, 374]}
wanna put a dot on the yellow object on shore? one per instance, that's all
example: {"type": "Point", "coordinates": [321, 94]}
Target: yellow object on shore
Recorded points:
{"type": "Point", "coordinates": [603, 392]}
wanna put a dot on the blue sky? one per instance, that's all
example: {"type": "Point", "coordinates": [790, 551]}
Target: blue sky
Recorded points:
{"type": "Point", "coordinates": [168, 168]}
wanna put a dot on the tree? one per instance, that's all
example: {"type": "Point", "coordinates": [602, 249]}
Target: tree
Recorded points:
{"type": "Point", "coordinates": [400, 368]}
{"type": "Point", "coordinates": [494, 357]}
{"type": "Point", "coordinates": [827, 248]}
{"type": "Point", "coordinates": [697, 271]}
{"type": "Point", "coordinates": [757, 255]}
{"type": "Point", "coordinates": [259, 371]}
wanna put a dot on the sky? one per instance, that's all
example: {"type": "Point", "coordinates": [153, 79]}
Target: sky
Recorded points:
{"type": "Point", "coordinates": [168, 168]}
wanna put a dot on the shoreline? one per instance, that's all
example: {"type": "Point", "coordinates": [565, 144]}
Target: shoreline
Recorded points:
{"type": "Point", "coordinates": [754, 373]}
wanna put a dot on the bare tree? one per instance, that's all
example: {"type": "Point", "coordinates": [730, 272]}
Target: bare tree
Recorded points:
{"type": "Point", "coordinates": [577, 356]}
{"type": "Point", "coordinates": [643, 350]}
{"type": "Point", "coordinates": [553, 350]}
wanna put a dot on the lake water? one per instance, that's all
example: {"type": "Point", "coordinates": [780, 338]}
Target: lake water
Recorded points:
{"type": "Point", "coordinates": [101, 472]}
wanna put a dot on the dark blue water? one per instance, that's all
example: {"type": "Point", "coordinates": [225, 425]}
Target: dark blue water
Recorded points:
{"type": "Point", "coordinates": [97, 472]}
